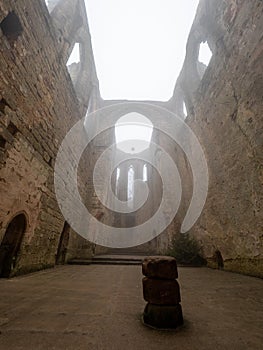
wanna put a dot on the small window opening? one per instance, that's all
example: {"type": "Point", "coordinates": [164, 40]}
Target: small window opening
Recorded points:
{"type": "Point", "coordinates": [130, 189]}
{"type": "Point", "coordinates": [3, 104]}
{"type": "Point", "coordinates": [145, 173]}
{"type": "Point", "coordinates": [11, 27]}
{"type": "Point", "coordinates": [118, 172]}
{"type": "Point", "coordinates": [75, 55]}
{"type": "Point", "coordinates": [185, 110]}
{"type": "Point", "coordinates": [205, 53]}
{"type": "Point", "coordinates": [51, 4]}
{"type": "Point", "coordinates": [12, 129]}
{"type": "Point", "coordinates": [2, 142]}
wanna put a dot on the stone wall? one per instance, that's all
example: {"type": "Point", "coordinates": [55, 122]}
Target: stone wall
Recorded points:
{"type": "Point", "coordinates": [38, 105]}
{"type": "Point", "coordinates": [224, 105]}
{"type": "Point", "coordinates": [226, 116]}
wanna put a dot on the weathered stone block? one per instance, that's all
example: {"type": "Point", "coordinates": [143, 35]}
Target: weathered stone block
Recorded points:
{"type": "Point", "coordinates": [164, 267]}
{"type": "Point", "coordinates": [161, 292]}
{"type": "Point", "coordinates": [163, 317]}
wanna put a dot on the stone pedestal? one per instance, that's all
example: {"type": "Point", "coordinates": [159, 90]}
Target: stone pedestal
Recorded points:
{"type": "Point", "coordinates": [163, 316]}
{"type": "Point", "coordinates": [162, 292]}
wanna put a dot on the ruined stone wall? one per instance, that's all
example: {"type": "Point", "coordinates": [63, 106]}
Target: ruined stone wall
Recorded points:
{"type": "Point", "coordinates": [227, 118]}
{"type": "Point", "coordinates": [160, 244]}
{"type": "Point", "coordinates": [70, 22]}
{"type": "Point", "coordinates": [38, 105]}
{"type": "Point", "coordinates": [224, 105]}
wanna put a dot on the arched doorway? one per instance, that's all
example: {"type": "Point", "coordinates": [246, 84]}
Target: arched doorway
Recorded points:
{"type": "Point", "coordinates": [63, 245]}
{"type": "Point", "coordinates": [11, 243]}
{"type": "Point", "coordinates": [219, 259]}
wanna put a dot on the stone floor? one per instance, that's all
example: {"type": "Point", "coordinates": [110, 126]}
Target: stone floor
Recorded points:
{"type": "Point", "coordinates": [99, 307]}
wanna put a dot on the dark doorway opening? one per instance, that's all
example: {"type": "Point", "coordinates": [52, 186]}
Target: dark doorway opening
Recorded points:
{"type": "Point", "coordinates": [219, 259]}
{"type": "Point", "coordinates": [10, 244]}
{"type": "Point", "coordinates": [63, 245]}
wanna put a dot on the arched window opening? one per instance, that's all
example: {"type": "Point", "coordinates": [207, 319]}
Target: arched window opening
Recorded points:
{"type": "Point", "coordinates": [205, 53]}
{"type": "Point", "coordinates": [133, 133]}
{"type": "Point", "coordinates": [75, 55]}
{"type": "Point", "coordinates": [51, 4]}
{"type": "Point", "coordinates": [145, 173]}
{"type": "Point", "coordinates": [118, 172]}
{"type": "Point", "coordinates": [130, 187]}
{"type": "Point", "coordinates": [10, 245]}
{"type": "Point", "coordinates": [184, 110]}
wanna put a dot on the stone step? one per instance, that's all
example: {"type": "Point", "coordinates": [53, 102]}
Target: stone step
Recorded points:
{"type": "Point", "coordinates": [80, 262]}
{"type": "Point", "coordinates": [125, 252]}
{"type": "Point", "coordinates": [109, 260]}
{"type": "Point", "coordinates": [117, 262]}
{"type": "Point", "coordinates": [118, 257]}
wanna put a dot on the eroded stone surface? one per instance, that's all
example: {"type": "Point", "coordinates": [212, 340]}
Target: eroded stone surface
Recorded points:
{"type": "Point", "coordinates": [161, 292]}
{"type": "Point", "coordinates": [163, 316]}
{"type": "Point", "coordinates": [160, 267]}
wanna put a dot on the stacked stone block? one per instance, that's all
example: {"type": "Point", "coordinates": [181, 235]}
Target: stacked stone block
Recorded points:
{"type": "Point", "coordinates": [162, 293]}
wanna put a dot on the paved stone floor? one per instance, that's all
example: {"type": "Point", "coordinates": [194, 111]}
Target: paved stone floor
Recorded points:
{"type": "Point", "coordinates": [99, 307]}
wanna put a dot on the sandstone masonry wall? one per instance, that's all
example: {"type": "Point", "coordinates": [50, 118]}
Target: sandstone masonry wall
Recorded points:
{"type": "Point", "coordinates": [227, 118]}
{"type": "Point", "coordinates": [38, 105]}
